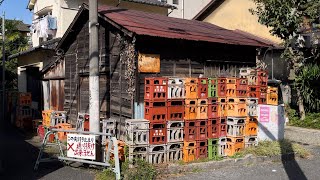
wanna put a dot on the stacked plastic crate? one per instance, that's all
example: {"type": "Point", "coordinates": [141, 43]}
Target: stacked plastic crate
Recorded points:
{"type": "Point", "coordinates": [216, 119]}
{"type": "Point", "coordinates": [236, 112]}
{"type": "Point", "coordinates": [24, 112]}
{"type": "Point", "coordinates": [57, 119]}
{"type": "Point", "coordinates": [190, 122]}
{"type": "Point", "coordinates": [257, 84]}
{"type": "Point", "coordinates": [175, 117]}
{"type": "Point", "coordinates": [155, 103]}
{"type": "Point", "coordinates": [137, 139]}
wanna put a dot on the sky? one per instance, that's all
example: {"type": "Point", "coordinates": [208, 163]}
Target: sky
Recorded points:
{"type": "Point", "coordinates": [16, 9]}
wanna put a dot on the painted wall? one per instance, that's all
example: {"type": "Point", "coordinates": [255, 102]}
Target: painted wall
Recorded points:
{"type": "Point", "coordinates": [187, 9]}
{"type": "Point", "coordinates": [65, 11]}
{"type": "Point", "coordinates": [234, 14]}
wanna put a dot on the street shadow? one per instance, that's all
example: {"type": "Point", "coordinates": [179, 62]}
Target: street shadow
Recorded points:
{"type": "Point", "coordinates": [18, 157]}
{"type": "Point", "coordinates": [292, 168]}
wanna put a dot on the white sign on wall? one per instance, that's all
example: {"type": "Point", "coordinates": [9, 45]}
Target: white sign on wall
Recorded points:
{"type": "Point", "coordinates": [81, 146]}
{"type": "Point", "coordinates": [271, 122]}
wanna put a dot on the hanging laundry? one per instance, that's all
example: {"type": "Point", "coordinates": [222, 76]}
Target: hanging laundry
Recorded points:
{"type": "Point", "coordinates": [43, 31]}
{"type": "Point", "coordinates": [52, 23]}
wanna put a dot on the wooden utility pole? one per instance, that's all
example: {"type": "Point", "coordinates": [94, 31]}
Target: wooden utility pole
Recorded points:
{"type": "Point", "coordinates": [94, 109]}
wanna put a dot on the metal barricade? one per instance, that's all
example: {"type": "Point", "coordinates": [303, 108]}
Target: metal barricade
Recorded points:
{"type": "Point", "coordinates": [112, 148]}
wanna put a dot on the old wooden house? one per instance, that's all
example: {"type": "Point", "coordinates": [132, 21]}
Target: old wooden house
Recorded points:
{"type": "Point", "coordinates": [185, 48]}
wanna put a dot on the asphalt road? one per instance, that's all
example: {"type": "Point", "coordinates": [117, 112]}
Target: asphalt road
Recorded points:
{"type": "Point", "coordinates": [300, 169]}
{"type": "Point", "coordinates": [17, 159]}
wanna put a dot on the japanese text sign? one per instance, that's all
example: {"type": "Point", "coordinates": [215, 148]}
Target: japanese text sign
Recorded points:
{"type": "Point", "coordinates": [264, 114]}
{"type": "Point", "coordinates": [81, 146]}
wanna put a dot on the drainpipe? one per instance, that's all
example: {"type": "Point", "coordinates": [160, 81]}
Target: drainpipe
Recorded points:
{"type": "Point", "coordinates": [94, 109]}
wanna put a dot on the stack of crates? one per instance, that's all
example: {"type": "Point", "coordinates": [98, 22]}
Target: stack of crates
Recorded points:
{"type": "Point", "coordinates": [57, 119]}
{"type": "Point", "coordinates": [24, 111]}
{"type": "Point", "coordinates": [235, 135]}
{"type": "Point", "coordinates": [193, 118]}
{"type": "Point", "coordinates": [137, 138]}
{"type": "Point", "coordinates": [155, 104]}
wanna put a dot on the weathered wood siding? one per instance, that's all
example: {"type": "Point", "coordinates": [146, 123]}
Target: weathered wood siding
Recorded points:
{"type": "Point", "coordinates": [191, 59]}
{"type": "Point", "coordinates": [77, 69]}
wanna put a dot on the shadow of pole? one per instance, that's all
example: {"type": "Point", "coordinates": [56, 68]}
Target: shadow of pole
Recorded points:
{"type": "Point", "coordinates": [289, 163]}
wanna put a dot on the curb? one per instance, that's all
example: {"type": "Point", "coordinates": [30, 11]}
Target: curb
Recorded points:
{"type": "Point", "coordinates": [248, 159]}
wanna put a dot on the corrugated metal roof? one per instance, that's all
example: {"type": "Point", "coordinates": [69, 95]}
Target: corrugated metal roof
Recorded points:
{"type": "Point", "coordinates": [142, 23]}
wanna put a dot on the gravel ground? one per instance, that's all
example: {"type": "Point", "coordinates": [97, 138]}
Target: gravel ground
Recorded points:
{"type": "Point", "coordinates": [300, 169]}
{"type": "Point", "coordinates": [303, 135]}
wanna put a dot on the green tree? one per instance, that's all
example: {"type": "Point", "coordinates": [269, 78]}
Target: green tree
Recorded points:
{"type": "Point", "coordinates": [15, 42]}
{"type": "Point", "coordinates": [286, 18]}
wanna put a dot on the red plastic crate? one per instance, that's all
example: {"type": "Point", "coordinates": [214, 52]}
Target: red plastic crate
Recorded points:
{"type": "Point", "coordinates": [203, 88]}
{"type": "Point", "coordinates": [213, 111]}
{"type": "Point", "coordinates": [190, 131]}
{"type": "Point", "coordinates": [175, 110]}
{"type": "Point", "coordinates": [155, 111]}
{"type": "Point", "coordinates": [213, 128]}
{"type": "Point", "coordinates": [213, 100]}
{"type": "Point", "coordinates": [253, 91]}
{"type": "Point", "coordinates": [41, 131]}
{"type": "Point", "coordinates": [156, 81]}
{"type": "Point", "coordinates": [156, 88]}
{"type": "Point", "coordinates": [222, 126]}
{"type": "Point", "coordinates": [222, 87]}
{"type": "Point", "coordinates": [202, 149]}
{"type": "Point", "coordinates": [262, 78]}
{"type": "Point", "coordinates": [158, 133]}
{"type": "Point", "coordinates": [202, 129]}
{"type": "Point", "coordinates": [242, 84]}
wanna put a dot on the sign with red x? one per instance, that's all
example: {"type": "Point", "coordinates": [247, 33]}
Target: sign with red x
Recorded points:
{"type": "Point", "coordinates": [81, 146]}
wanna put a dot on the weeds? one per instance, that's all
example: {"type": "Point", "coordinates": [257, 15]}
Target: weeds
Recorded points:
{"type": "Point", "coordinates": [312, 120]}
{"type": "Point", "coordinates": [237, 155]}
{"type": "Point", "coordinates": [273, 148]}
{"type": "Point", "coordinates": [141, 170]}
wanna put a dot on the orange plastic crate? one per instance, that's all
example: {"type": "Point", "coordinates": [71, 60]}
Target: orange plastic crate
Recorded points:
{"type": "Point", "coordinates": [272, 99]}
{"type": "Point", "coordinates": [202, 109]}
{"type": "Point", "coordinates": [231, 83]}
{"type": "Point", "coordinates": [189, 151]}
{"type": "Point", "coordinates": [62, 136]}
{"type": "Point", "coordinates": [251, 129]}
{"type": "Point", "coordinates": [234, 145]}
{"type": "Point", "coordinates": [190, 109]}
{"type": "Point", "coordinates": [46, 117]}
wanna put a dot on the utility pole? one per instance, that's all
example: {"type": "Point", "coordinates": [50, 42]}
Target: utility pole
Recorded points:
{"type": "Point", "coordinates": [94, 109]}
{"type": "Point", "coordinates": [3, 67]}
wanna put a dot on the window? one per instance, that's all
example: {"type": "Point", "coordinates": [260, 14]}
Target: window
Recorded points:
{"type": "Point", "coordinates": [176, 2]}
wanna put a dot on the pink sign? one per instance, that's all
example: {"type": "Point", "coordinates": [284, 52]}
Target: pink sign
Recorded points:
{"type": "Point", "coordinates": [264, 114]}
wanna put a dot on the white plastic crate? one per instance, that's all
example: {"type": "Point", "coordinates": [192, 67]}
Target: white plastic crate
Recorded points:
{"type": "Point", "coordinates": [58, 117]}
{"type": "Point", "coordinates": [157, 154]}
{"type": "Point", "coordinates": [174, 151]}
{"type": "Point", "coordinates": [139, 152]}
{"type": "Point", "coordinates": [137, 132]}
{"type": "Point", "coordinates": [175, 131]}
{"type": "Point", "coordinates": [251, 141]}
{"type": "Point", "coordinates": [236, 120]}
